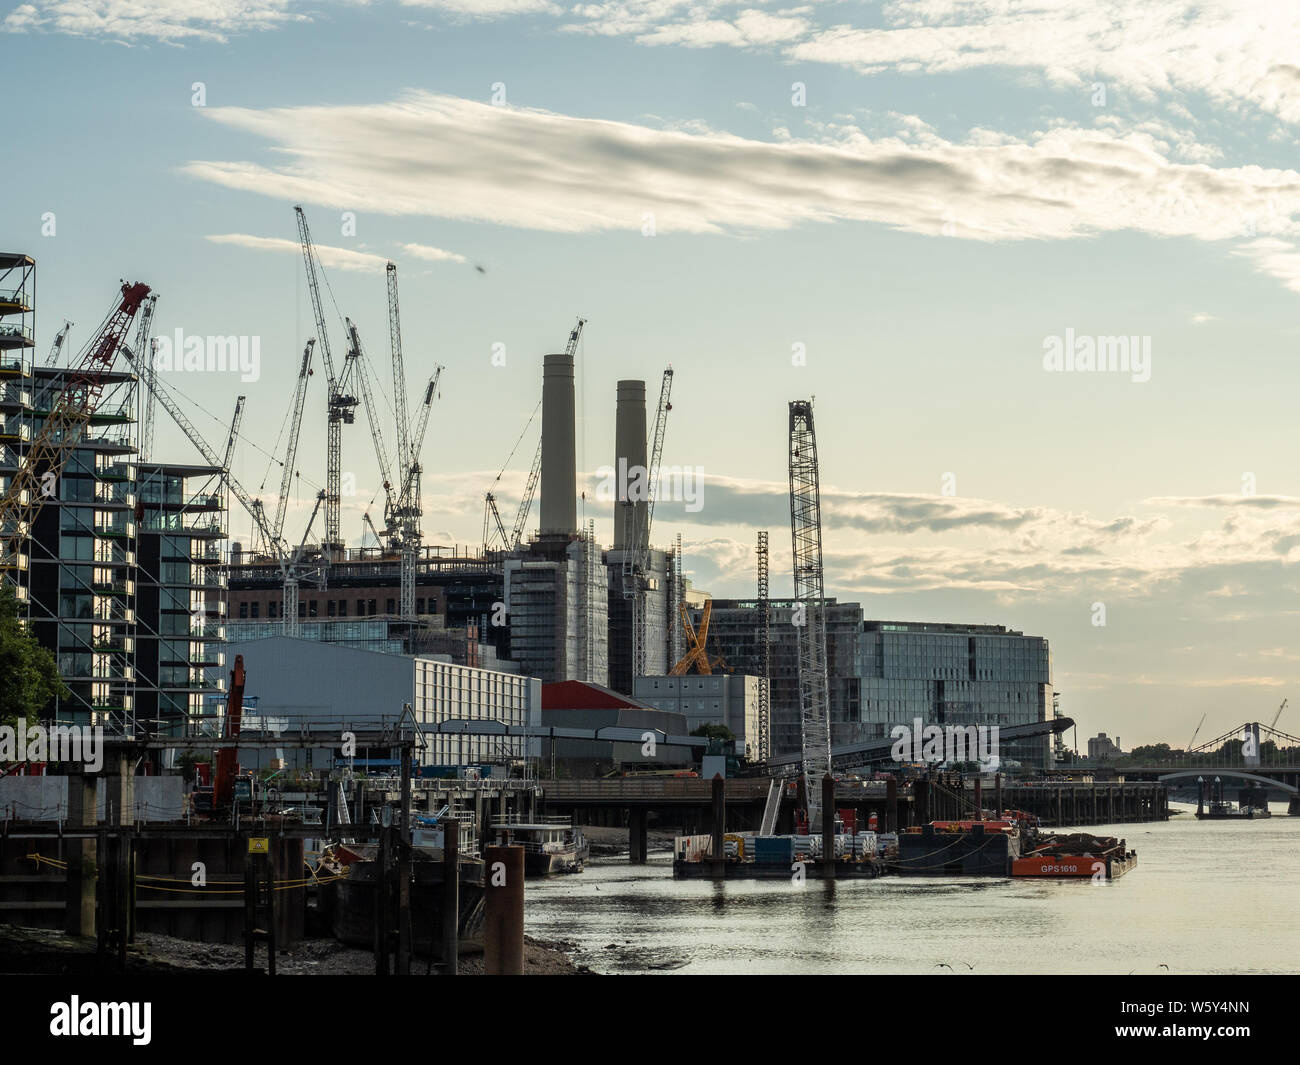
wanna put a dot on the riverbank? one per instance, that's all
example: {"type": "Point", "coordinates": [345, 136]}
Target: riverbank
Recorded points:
{"type": "Point", "coordinates": [42, 951]}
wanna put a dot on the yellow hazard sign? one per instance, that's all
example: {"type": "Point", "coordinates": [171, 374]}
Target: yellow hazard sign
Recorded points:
{"type": "Point", "coordinates": [259, 845]}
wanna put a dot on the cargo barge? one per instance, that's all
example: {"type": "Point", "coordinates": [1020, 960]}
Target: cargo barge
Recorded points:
{"type": "Point", "coordinates": [1076, 855]}
{"type": "Point", "coordinates": [858, 856]}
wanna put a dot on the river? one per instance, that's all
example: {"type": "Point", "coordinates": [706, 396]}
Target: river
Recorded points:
{"type": "Point", "coordinates": [1206, 897]}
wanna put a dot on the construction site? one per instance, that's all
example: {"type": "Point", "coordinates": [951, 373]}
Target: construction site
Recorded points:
{"type": "Point", "coordinates": [343, 736]}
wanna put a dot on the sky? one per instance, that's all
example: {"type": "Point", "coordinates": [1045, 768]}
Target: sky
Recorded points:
{"type": "Point", "coordinates": [934, 217]}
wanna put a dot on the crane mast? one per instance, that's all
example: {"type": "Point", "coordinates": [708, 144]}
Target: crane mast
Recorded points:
{"type": "Point", "coordinates": [291, 454]}
{"type": "Point", "coordinates": [60, 338]}
{"type": "Point", "coordinates": [404, 455]}
{"type": "Point", "coordinates": [356, 354]}
{"type": "Point", "coordinates": [340, 406]}
{"type": "Point", "coordinates": [636, 563]}
{"type": "Point", "coordinates": [143, 344]}
{"type": "Point", "coordinates": [810, 606]}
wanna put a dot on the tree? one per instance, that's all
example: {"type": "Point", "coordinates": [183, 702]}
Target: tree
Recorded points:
{"type": "Point", "coordinates": [714, 732]}
{"type": "Point", "coordinates": [29, 678]}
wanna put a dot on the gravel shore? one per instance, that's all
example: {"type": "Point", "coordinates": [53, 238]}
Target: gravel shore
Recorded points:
{"type": "Point", "coordinates": [45, 951]}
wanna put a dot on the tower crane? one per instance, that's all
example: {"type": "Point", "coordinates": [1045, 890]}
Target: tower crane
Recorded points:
{"type": "Point", "coordinates": [636, 562]}
{"type": "Point", "coordinates": [490, 512]}
{"type": "Point", "coordinates": [143, 345]}
{"type": "Point", "coordinates": [295, 426]}
{"type": "Point", "coordinates": [810, 606]}
{"type": "Point", "coordinates": [356, 354]}
{"type": "Point", "coordinates": [1273, 724]}
{"type": "Point", "coordinates": [60, 338]}
{"type": "Point", "coordinates": [340, 404]}
{"type": "Point", "coordinates": [70, 411]}
{"type": "Point", "coordinates": [288, 559]}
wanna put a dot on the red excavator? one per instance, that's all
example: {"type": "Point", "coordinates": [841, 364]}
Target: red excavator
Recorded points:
{"type": "Point", "coordinates": [223, 785]}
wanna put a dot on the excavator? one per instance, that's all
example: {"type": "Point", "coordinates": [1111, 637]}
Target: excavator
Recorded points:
{"type": "Point", "coordinates": [221, 794]}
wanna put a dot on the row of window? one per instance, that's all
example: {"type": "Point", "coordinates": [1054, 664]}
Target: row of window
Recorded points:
{"type": "Point", "coordinates": [334, 608]}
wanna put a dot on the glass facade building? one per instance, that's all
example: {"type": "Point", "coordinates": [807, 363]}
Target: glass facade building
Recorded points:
{"type": "Point", "coordinates": [887, 673]}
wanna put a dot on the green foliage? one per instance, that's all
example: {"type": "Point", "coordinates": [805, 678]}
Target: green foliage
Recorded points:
{"type": "Point", "coordinates": [29, 679]}
{"type": "Point", "coordinates": [714, 732]}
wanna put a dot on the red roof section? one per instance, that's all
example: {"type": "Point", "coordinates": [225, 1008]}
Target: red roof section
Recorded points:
{"type": "Point", "coordinates": [579, 695]}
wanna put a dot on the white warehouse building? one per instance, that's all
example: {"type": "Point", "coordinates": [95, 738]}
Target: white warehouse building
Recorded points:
{"type": "Point", "coordinates": [290, 681]}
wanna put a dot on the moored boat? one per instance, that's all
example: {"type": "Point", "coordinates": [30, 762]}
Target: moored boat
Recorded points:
{"type": "Point", "coordinates": [551, 846]}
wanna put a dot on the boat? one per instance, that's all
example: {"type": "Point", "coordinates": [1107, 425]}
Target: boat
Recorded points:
{"type": "Point", "coordinates": [1075, 855]}
{"type": "Point", "coordinates": [550, 846]}
{"type": "Point", "coordinates": [1252, 803]}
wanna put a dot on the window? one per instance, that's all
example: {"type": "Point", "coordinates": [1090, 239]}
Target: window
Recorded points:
{"type": "Point", "coordinates": [253, 608]}
{"type": "Point", "coordinates": [419, 606]}
{"type": "Point", "coordinates": [302, 609]}
{"type": "Point", "coordinates": [392, 607]}
{"type": "Point", "coordinates": [373, 608]}
{"type": "Point", "coordinates": [361, 608]}
{"type": "Point", "coordinates": [243, 610]}
{"type": "Point", "coordinates": [312, 608]}
{"type": "Point", "coordinates": [343, 608]}
{"type": "Point", "coordinates": [331, 608]}
{"type": "Point", "coordinates": [270, 609]}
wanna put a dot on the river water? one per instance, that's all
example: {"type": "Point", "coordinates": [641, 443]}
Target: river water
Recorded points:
{"type": "Point", "coordinates": [1206, 897]}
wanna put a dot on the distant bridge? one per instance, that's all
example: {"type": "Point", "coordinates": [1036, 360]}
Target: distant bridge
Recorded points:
{"type": "Point", "coordinates": [1235, 773]}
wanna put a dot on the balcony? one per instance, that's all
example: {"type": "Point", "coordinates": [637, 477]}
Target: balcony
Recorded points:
{"type": "Point", "coordinates": [15, 431]}
{"type": "Point", "coordinates": [14, 396]}
{"type": "Point", "coordinates": [117, 471]}
{"type": "Point", "coordinates": [15, 336]}
{"type": "Point", "coordinates": [115, 530]}
{"type": "Point", "coordinates": [14, 300]}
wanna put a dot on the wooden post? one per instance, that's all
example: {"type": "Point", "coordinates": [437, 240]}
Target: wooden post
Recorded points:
{"type": "Point", "coordinates": [451, 897]}
{"type": "Point", "coordinates": [503, 911]}
{"type": "Point", "coordinates": [404, 870]}
{"type": "Point", "coordinates": [828, 827]}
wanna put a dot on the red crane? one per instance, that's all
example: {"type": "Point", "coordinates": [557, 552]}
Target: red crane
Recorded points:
{"type": "Point", "coordinates": [70, 410]}
{"type": "Point", "coordinates": [223, 792]}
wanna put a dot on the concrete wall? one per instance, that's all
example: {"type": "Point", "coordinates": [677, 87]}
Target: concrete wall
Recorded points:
{"type": "Point", "coordinates": [46, 798]}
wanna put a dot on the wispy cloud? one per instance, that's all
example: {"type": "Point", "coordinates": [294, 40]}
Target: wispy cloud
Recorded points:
{"type": "Point", "coordinates": [343, 258]}
{"type": "Point", "coordinates": [442, 156]}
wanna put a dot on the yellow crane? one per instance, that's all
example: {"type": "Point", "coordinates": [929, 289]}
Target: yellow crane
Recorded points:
{"type": "Point", "coordinates": [697, 654]}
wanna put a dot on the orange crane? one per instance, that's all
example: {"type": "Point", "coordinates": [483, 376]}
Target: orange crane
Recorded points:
{"type": "Point", "coordinates": [698, 655]}
{"type": "Point", "coordinates": [223, 784]}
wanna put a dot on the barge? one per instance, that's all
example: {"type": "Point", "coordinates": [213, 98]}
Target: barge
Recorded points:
{"type": "Point", "coordinates": [1076, 855]}
{"type": "Point", "coordinates": [858, 856]}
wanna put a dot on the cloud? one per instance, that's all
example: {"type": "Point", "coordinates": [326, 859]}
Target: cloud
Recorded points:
{"type": "Point", "coordinates": [1200, 318]}
{"type": "Point", "coordinates": [343, 258]}
{"type": "Point", "coordinates": [442, 156]}
{"type": "Point", "coordinates": [1261, 502]}
{"type": "Point", "coordinates": [164, 20]}
{"type": "Point", "coordinates": [431, 254]}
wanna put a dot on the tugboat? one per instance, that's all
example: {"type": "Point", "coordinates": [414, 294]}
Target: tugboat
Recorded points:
{"type": "Point", "coordinates": [551, 846]}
